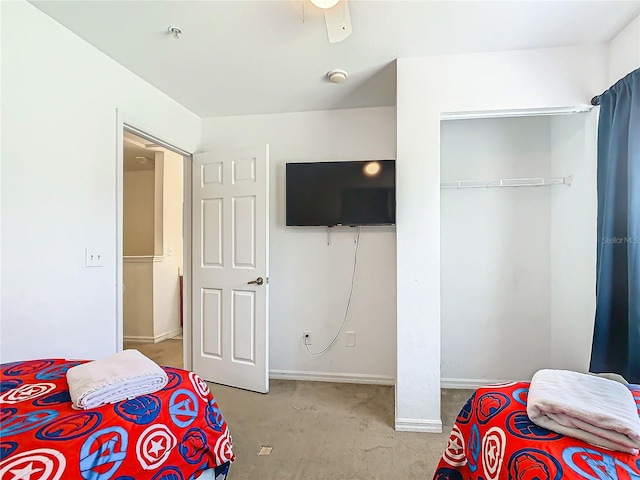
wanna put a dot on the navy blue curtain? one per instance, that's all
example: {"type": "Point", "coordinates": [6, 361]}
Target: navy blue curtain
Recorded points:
{"type": "Point", "coordinates": [616, 338]}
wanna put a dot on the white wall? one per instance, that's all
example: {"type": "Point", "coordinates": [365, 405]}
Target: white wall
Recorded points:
{"type": "Point", "coordinates": [495, 251]}
{"type": "Point", "coordinates": [624, 52]}
{"type": "Point", "coordinates": [137, 299]}
{"type": "Point", "coordinates": [309, 280]}
{"type": "Point", "coordinates": [166, 287]}
{"type": "Point", "coordinates": [57, 90]}
{"type": "Point", "coordinates": [573, 240]}
{"type": "Point", "coordinates": [138, 215]}
{"type": "Point", "coordinates": [138, 240]}
{"type": "Point", "coordinates": [427, 87]}
{"type": "Point", "coordinates": [158, 195]}
{"type": "Point", "coordinates": [172, 206]}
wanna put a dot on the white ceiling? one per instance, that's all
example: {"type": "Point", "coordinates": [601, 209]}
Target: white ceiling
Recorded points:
{"type": "Point", "coordinates": [239, 57]}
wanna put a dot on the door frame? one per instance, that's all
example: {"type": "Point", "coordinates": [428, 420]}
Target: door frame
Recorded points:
{"type": "Point", "coordinates": [133, 125]}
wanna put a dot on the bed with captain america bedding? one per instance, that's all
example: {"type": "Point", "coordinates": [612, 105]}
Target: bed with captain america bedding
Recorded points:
{"type": "Point", "coordinates": [493, 438]}
{"type": "Point", "coordinates": [177, 433]}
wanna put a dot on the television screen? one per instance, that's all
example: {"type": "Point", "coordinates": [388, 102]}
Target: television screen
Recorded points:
{"type": "Point", "coordinates": [341, 193]}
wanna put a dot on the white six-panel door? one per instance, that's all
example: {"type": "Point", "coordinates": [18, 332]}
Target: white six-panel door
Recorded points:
{"type": "Point", "coordinates": [230, 250]}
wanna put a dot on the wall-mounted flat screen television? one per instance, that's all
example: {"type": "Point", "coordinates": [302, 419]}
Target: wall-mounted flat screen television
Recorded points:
{"type": "Point", "coordinates": [341, 193]}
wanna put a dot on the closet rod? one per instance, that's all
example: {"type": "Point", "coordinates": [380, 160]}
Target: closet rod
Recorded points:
{"type": "Point", "coordinates": [507, 182]}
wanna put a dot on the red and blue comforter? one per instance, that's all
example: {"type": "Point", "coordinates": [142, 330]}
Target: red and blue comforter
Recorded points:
{"type": "Point", "coordinates": [174, 434]}
{"type": "Point", "coordinates": [493, 439]}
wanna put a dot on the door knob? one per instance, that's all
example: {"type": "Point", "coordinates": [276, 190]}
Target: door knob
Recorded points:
{"type": "Point", "coordinates": [257, 281]}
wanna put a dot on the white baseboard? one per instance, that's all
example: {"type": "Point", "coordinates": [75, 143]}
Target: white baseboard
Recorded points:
{"type": "Point", "coordinates": [466, 383]}
{"type": "Point", "coordinates": [137, 339]}
{"type": "Point", "coordinates": [331, 377]}
{"type": "Point", "coordinates": [156, 339]}
{"type": "Point", "coordinates": [453, 383]}
{"type": "Point", "coordinates": [418, 425]}
{"type": "Point", "coordinates": [167, 335]}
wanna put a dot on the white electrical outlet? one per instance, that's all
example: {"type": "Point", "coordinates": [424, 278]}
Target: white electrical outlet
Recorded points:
{"type": "Point", "coordinates": [351, 339]}
{"type": "Point", "coordinates": [306, 338]}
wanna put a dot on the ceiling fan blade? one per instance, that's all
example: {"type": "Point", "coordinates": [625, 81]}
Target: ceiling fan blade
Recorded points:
{"type": "Point", "coordinates": [338, 22]}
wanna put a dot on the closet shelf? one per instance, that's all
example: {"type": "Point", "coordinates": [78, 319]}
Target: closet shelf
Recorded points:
{"type": "Point", "coordinates": [507, 182]}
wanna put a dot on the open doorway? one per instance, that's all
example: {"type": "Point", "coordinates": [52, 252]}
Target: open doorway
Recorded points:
{"type": "Point", "coordinates": [152, 247]}
{"type": "Point", "coordinates": [235, 237]}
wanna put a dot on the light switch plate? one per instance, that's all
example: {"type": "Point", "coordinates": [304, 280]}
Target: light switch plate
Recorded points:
{"type": "Point", "coordinates": [92, 258]}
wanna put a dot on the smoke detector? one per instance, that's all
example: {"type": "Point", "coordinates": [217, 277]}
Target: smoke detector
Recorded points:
{"type": "Point", "coordinates": [337, 76]}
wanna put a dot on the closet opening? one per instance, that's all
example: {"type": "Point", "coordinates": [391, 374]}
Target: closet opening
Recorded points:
{"type": "Point", "coordinates": [518, 246]}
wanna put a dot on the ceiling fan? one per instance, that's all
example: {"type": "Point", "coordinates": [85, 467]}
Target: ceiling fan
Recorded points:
{"type": "Point", "coordinates": [337, 18]}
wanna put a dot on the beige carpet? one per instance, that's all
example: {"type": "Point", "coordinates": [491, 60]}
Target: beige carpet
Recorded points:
{"type": "Point", "coordinates": [167, 353]}
{"type": "Point", "coordinates": [322, 431]}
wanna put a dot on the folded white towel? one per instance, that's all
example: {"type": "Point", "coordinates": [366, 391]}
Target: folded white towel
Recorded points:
{"type": "Point", "coordinates": [594, 409]}
{"type": "Point", "coordinates": [124, 375]}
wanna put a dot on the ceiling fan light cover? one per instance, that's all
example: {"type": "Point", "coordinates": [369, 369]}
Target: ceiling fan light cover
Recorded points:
{"type": "Point", "coordinates": [338, 22]}
{"type": "Point", "coordinates": [324, 4]}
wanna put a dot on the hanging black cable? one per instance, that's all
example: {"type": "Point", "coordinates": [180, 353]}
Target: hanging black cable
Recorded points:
{"type": "Point", "coordinates": [346, 312]}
